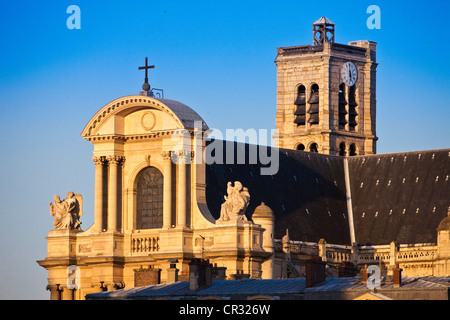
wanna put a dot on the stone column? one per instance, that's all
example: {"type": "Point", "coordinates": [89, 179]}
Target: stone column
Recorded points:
{"type": "Point", "coordinates": [167, 201]}
{"type": "Point", "coordinates": [182, 189]}
{"type": "Point", "coordinates": [98, 210]}
{"type": "Point", "coordinates": [112, 192]}
{"type": "Point", "coordinates": [55, 291]}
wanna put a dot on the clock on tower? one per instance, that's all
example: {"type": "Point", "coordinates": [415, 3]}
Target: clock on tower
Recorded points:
{"type": "Point", "coordinates": [349, 73]}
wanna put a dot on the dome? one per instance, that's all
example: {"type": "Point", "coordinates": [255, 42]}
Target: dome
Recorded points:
{"type": "Point", "coordinates": [445, 223]}
{"type": "Point", "coordinates": [263, 212]}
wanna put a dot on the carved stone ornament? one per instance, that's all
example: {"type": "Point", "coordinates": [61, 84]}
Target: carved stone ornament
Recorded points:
{"type": "Point", "coordinates": [148, 121]}
{"type": "Point", "coordinates": [236, 203]}
{"type": "Point", "coordinates": [67, 213]}
{"type": "Point", "coordinates": [114, 159]}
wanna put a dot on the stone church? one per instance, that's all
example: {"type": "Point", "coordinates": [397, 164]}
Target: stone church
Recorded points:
{"type": "Point", "coordinates": [160, 204]}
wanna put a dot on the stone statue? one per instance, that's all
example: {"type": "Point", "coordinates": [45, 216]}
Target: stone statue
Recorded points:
{"type": "Point", "coordinates": [67, 213]}
{"type": "Point", "coordinates": [236, 203]}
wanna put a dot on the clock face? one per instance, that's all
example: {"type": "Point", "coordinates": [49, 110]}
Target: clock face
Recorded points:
{"type": "Point", "coordinates": [349, 74]}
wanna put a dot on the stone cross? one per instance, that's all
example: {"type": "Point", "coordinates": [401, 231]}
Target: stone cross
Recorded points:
{"type": "Point", "coordinates": [146, 86]}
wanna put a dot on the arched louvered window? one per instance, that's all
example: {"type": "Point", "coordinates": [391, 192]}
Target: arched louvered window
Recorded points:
{"type": "Point", "coordinates": [352, 106]}
{"type": "Point", "coordinates": [149, 199]}
{"type": "Point", "coordinates": [314, 105]}
{"type": "Point", "coordinates": [313, 147]}
{"type": "Point", "coordinates": [301, 147]}
{"type": "Point", "coordinates": [342, 104]}
{"type": "Point", "coordinates": [300, 103]}
{"type": "Point", "coordinates": [342, 151]}
{"type": "Point", "coordinates": [353, 150]}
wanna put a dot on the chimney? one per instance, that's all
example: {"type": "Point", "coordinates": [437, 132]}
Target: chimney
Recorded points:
{"type": "Point", "coordinates": [240, 275]}
{"type": "Point", "coordinates": [147, 276]}
{"type": "Point", "coordinates": [397, 278]}
{"type": "Point", "coordinates": [218, 273]}
{"type": "Point", "coordinates": [172, 273]}
{"type": "Point", "coordinates": [346, 269]}
{"type": "Point", "coordinates": [315, 271]}
{"type": "Point", "coordinates": [199, 274]}
{"type": "Point", "coordinates": [364, 275]}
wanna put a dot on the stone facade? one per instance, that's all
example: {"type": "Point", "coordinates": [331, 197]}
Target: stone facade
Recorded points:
{"type": "Point", "coordinates": [152, 217]}
{"type": "Point", "coordinates": [130, 135]}
{"type": "Point", "coordinates": [321, 65]}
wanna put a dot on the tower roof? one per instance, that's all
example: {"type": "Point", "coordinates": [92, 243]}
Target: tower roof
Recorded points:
{"type": "Point", "coordinates": [324, 20]}
{"type": "Point", "coordinates": [445, 223]}
{"type": "Point", "coordinates": [263, 211]}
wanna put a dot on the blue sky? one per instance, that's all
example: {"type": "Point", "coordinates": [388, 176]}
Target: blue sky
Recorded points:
{"type": "Point", "coordinates": [215, 56]}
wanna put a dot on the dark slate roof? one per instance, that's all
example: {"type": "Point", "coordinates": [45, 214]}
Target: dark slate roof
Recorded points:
{"type": "Point", "coordinates": [268, 287]}
{"type": "Point", "coordinates": [246, 287]}
{"type": "Point", "coordinates": [408, 283]}
{"type": "Point", "coordinates": [307, 194]}
{"type": "Point", "coordinates": [399, 197]}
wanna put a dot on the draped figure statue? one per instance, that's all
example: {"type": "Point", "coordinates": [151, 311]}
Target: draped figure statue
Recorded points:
{"type": "Point", "coordinates": [236, 203]}
{"type": "Point", "coordinates": [67, 213]}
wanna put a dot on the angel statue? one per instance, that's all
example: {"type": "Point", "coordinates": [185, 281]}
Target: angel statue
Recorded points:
{"type": "Point", "coordinates": [236, 203]}
{"type": "Point", "coordinates": [67, 213]}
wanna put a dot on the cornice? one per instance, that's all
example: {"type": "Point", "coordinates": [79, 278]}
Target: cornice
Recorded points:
{"type": "Point", "coordinates": [136, 137]}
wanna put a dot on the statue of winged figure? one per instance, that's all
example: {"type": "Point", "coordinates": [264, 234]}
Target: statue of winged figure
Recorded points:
{"type": "Point", "coordinates": [67, 213]}
{"type": "Point", "coordinates": [236, 203]}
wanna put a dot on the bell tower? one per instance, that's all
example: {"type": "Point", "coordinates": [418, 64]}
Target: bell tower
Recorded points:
{"type": "Point", "coordinates": [326, 95]}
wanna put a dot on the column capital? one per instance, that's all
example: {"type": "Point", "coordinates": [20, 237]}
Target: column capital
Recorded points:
{"type": "Point", "coordinates": [114, 159]}
{"type": "Point", "coordinates": [99, 160]}
{"type": "Point", "coordinates": [167, 155]}
{"type": "Point", "coordinates": [184, 156]}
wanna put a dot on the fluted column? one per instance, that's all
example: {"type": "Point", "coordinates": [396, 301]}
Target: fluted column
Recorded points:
{"type": "Point", "coordinates": [167, 200]}
{"type": "Point", "coordinates": [113, 162]}
{"type": "Point", "coordinates": [98, 209]}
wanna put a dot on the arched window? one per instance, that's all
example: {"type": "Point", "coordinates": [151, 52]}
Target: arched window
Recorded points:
{"type": "Point", "coordinates": [314, 105]}
{"type": "Point", "coordinates": [313, 147]}
{"type": "Point", "coordinates": [301, 147]}
{"type": "Point", "coordinates": [352, 150]}
{"type": "Point", "coordinates": [352, 105]}
{"type": "Point", "coordinates": [342, 104]}
{"type": "Point", "coordinates": [300, 103]}
{"type": "Point", "coordinates": [149, 199]}
{"type": "Point", "coordinates": [342, 149]}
